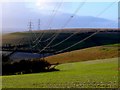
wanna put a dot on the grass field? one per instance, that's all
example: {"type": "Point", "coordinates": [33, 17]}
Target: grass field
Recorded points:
{"type": "Point", "coordinates": [92, 53]}
{"type": "Point", "coordinates": [85, 68]}
{"type": "Point", "coordinates": [102, 38]}
{"type": "Point", "coordinates": [87, 74]}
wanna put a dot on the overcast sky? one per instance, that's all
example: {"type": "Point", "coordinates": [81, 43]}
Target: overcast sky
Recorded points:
{"type": "Point", "coordinates": [16, 15]}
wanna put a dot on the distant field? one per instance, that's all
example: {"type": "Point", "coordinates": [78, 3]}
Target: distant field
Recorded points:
{"type": "Point", "coordinates": [92, 53]}
{"type": "Point", "coordinates": [106, 36]}
{"type": "Point", "coordinates": [87, 74]}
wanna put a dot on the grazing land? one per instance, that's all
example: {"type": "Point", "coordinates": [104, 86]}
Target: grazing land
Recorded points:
{"type": "Point", "coordinates": [106, 36]}
{"type": "Point", "coordinates": [90, 64]}
{"type": "Point", "coordinates": [92, 53]}
{"type": "Point", "coordinates": [87, 74]}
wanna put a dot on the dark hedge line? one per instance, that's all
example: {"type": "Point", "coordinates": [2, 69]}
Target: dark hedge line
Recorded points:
{"type": "Point", "coordinates": [25, 66]}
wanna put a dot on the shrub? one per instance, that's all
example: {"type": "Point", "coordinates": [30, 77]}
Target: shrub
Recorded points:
{"type": "Point", "coordinates": [27, 66]}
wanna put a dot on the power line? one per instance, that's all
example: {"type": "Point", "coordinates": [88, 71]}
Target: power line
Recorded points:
{"type": "Point", "coordinates": [49, 23]}
{"type": "Point", "coordinates": [30, 30]}
{"type": "Point", "coordinates": [42, 41]}
{"type": "Point", "coordinates": [80, 5]}
{"type": "Point", "coordinates": [64, 40]}
{"type": "Point", "coordinates": [41, 35]}
{"type": "Point", "coordinates": [78, 42]}
{"type": "Point", "coordinates": [39, 23]}
{"type": "Point", "coordinates": [78, 31]}
{"type": "Point", "coordinates": [32, 35]}
{"type": "Point", "coordinates": [53, 16]}
{"type": "Point", "coordinates": [106, 8]}
{"type": "Point", "coordinates": [88, 36]}
{"type": "Point", "coordinates": [83, 39]}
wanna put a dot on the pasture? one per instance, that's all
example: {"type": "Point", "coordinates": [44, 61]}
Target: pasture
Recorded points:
{"type": "Point", "coordinates": [86, 74]}
{"type": "Point", "coordinates": [91, 53]}
{"type": "Point", "coordinates": [106, 36]}
{"type": "Point", "coordinates": [95, 67]}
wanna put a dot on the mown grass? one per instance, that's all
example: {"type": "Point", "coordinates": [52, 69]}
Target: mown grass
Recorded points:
{"type": "Point", "coordinates": [87, 74]}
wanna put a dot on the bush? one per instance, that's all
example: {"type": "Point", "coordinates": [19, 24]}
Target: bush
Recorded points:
{"type": "Point", "coordinates": [5, 58]}
{"type": "Point", "coordinates": [26, 66]}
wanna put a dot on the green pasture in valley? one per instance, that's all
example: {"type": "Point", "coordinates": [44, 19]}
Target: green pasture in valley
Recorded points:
{"type": "Point", "coordinates": [85, 74]}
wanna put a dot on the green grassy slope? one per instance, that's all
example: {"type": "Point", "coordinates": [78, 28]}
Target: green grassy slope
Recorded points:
{"type": "Point", "coordinates": [93, 74]}
{"type": "Point", "coordinates": [93, 53]}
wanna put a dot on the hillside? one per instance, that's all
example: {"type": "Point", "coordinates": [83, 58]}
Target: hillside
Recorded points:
{"type": "Point", "coordinates": [87, 74]}
{"type": "Point", "coordinates": [105, 36]}
{"type": "Point", "coordinates": [93, 53]}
